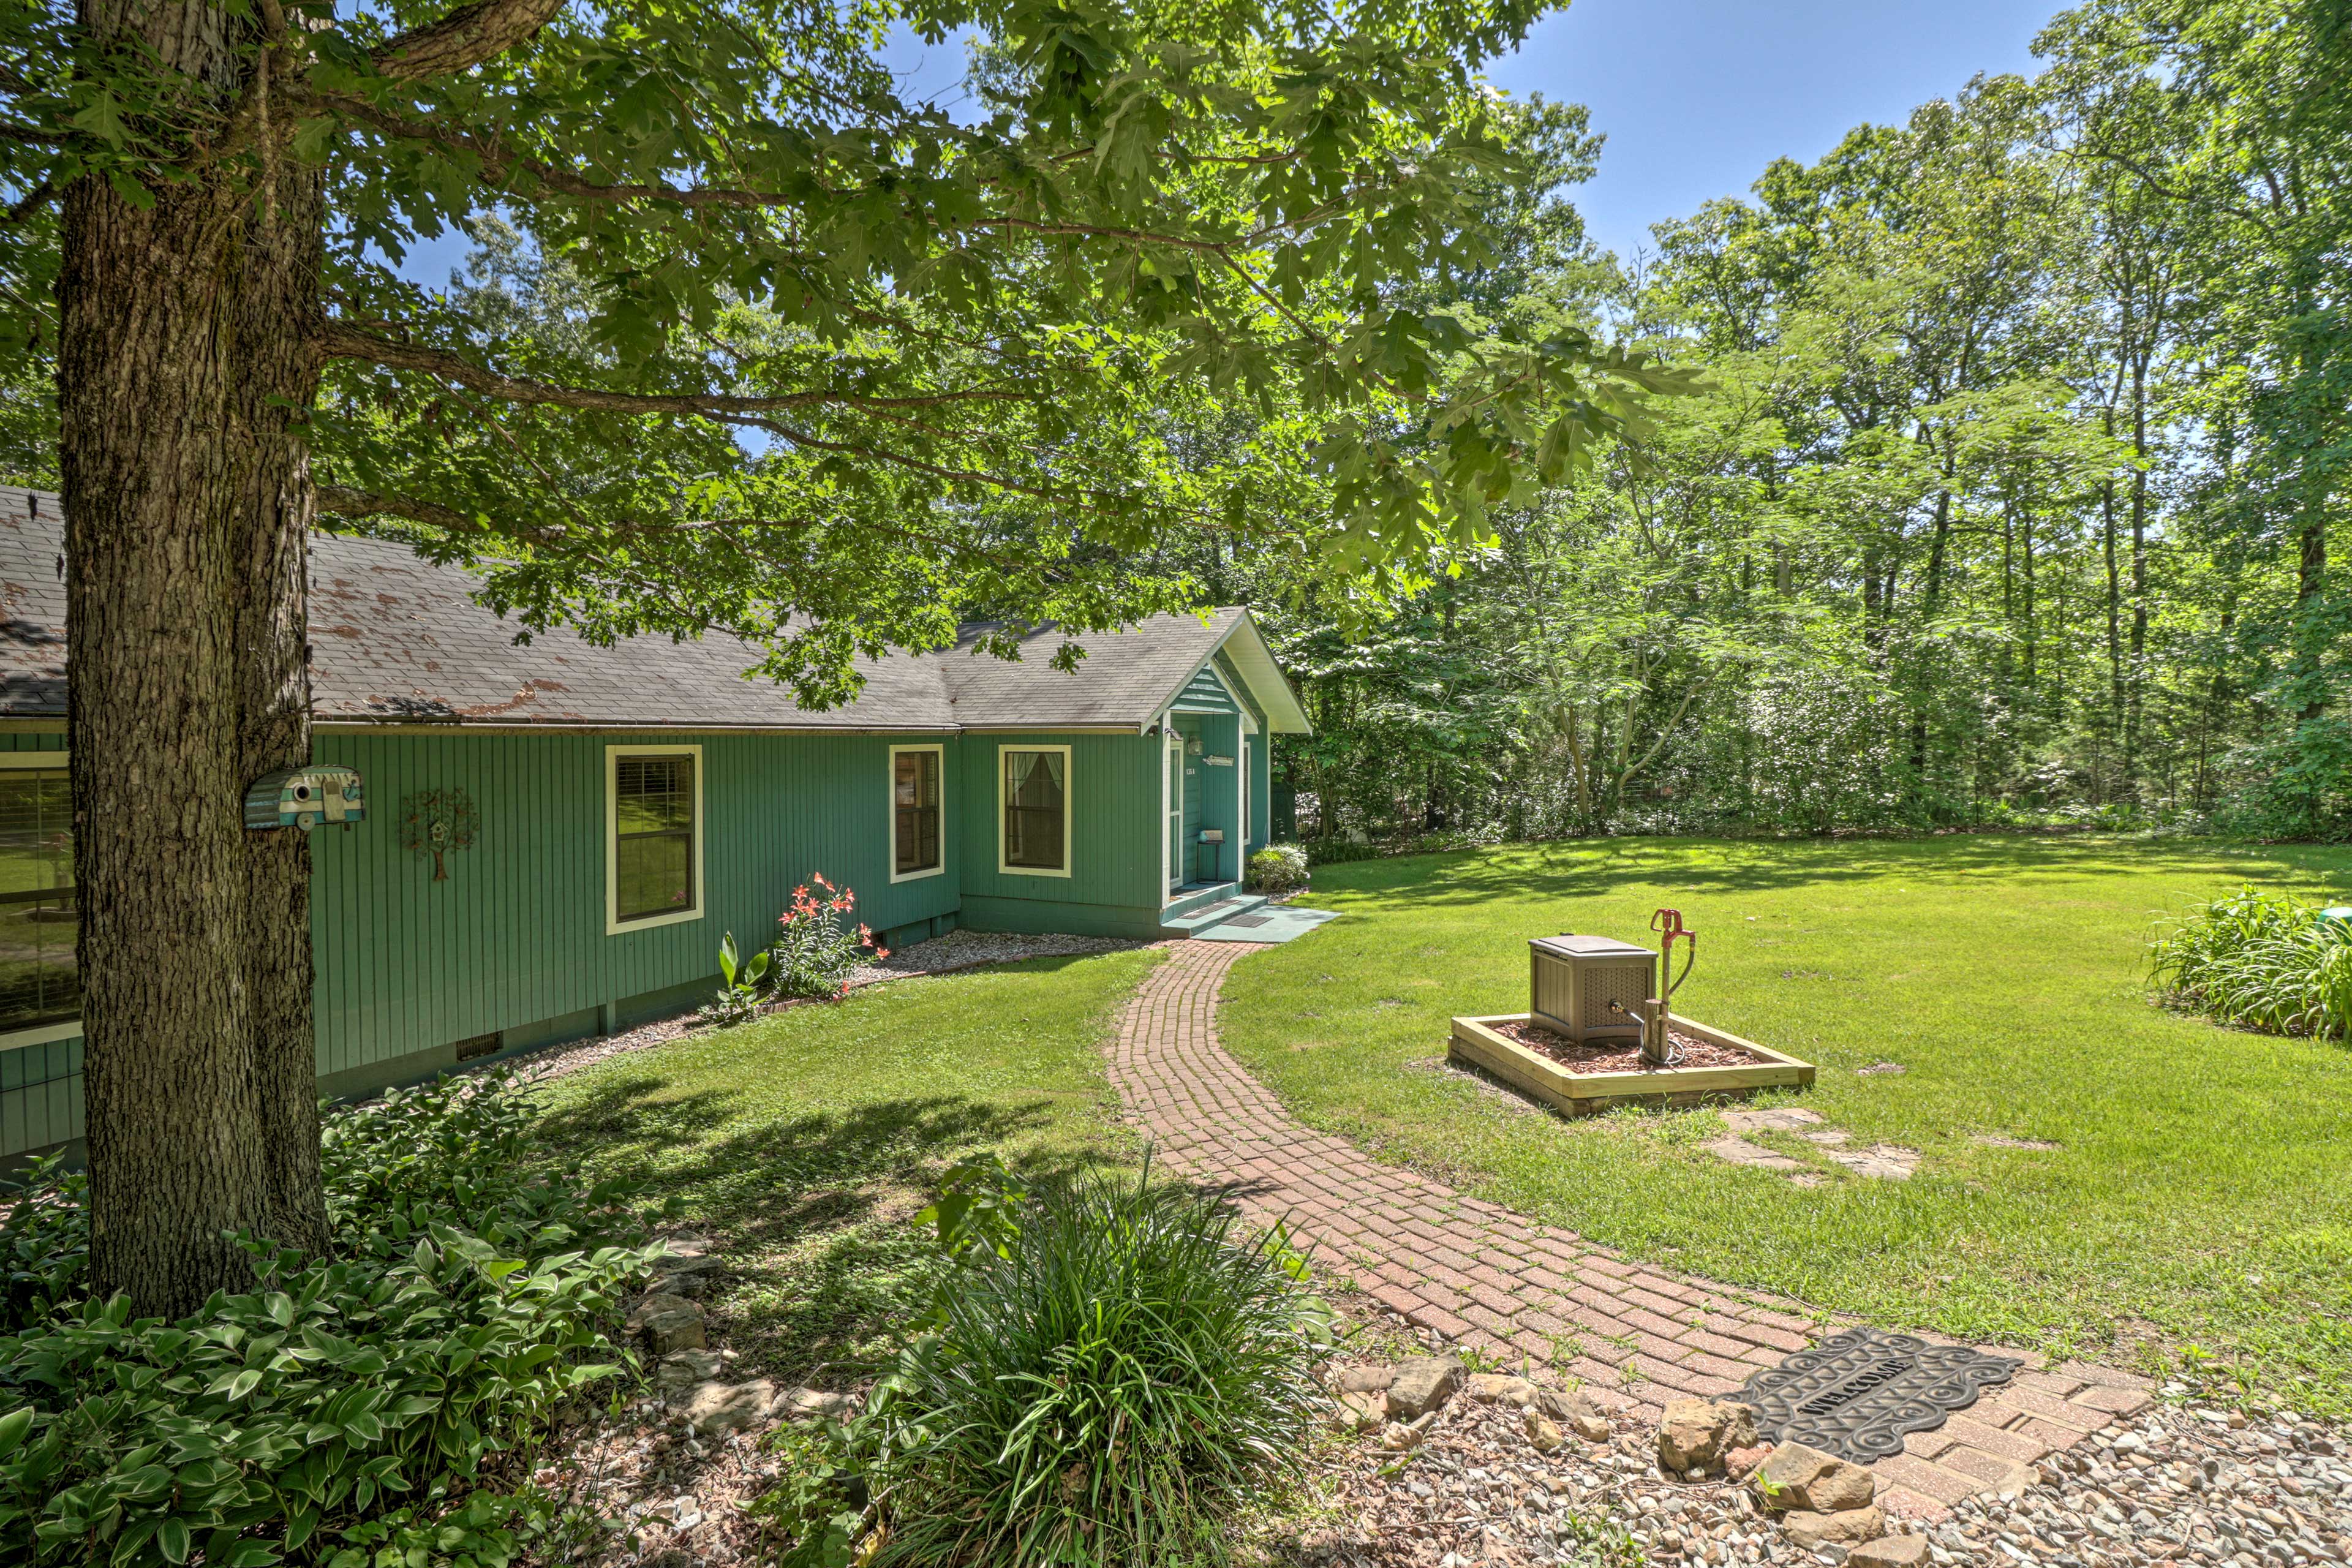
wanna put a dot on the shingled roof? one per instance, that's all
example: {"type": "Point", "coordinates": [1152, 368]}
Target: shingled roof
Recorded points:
{"type": "Point", "coordinates": [399, 639]}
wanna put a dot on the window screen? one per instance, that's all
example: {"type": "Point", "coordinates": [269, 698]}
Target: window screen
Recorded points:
{"type": "Point", "coordinates": [1034, 800]}
{"type": "Point", "coordinates": [39, 982]}
{"type": "Point", "coordinates": [652, 822]}
{"type": "Point", "coordinates": [915, 804]}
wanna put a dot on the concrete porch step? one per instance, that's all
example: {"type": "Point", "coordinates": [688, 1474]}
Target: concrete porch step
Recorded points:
{"type": "Point", "coordinates": [1194, 915]}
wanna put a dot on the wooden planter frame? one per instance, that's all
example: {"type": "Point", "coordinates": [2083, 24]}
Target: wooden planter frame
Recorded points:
{"type": "Point", "coordinates": [1476, 1041]}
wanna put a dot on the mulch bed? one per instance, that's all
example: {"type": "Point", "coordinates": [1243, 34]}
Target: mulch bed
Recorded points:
{"type": "Point", "coordinates": [1621, 1056]}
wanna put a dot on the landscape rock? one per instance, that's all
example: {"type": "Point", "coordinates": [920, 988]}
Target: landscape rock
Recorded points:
{"type": "Point", "coordinates": [1401, 1435]}
{"type": "Point", "coordinates": [1847, 1527]}
{"type": "Point", "coordinates": [1694, 1434]}
{"type": "Point", "coordinates": [682, 1370]}
{"type": "Point", "coordinates": [1889, 1551]}
{"type": "Point", "coordinates": [1739, 1463]}
{"type": "Point", "coordinates": [819, 1403]}
{"type": "Point", "coordinates": [687, 1255]}
{"type": "Point", "coordinates": [1578, 1411]}
{"type": "Point", "coordinates": [1541, 1429]}
{"type": "Point", "coordinates": [1804, 1479]}
{"type": "Point", "coordinates": [668, 1323]}
{"type": "Point", "coordinates": [1358, 1412]}
{"type": "Point", "coordinates": [716, 1408]}
{"type": "Point", "coordinates": [1494, 1388]}
{"type": "Point", "coordinates": [1423, 1384]}
{"type": "Point", "coordinates": [1371, 1378]}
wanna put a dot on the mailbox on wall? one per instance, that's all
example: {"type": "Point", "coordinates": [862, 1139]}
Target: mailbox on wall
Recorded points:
{"type": "Point", "coordinates": [305, 798]}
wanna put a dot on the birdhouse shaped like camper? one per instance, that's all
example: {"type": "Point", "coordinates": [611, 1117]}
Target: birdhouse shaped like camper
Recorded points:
{"type": "Point", "coordinates": [305, 798]}
{"type": "Point", "coordinates": [1578, 983]}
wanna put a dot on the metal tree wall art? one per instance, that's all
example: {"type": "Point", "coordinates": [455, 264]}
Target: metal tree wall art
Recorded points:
{"type": "Point", "coordinates": [434, 822]}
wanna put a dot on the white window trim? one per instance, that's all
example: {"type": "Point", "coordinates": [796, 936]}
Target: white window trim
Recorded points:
{"type": "Point", "coordinates": [69, 1028]}
{"type": "Point", "coordinates": [1069, 795]}
{"type": "Point", "coordinates": [890, 803]}
{"type": "Point", "coordinates": [613, 924]}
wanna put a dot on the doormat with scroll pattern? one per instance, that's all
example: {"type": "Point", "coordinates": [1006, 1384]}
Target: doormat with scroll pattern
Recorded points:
{"type": "Point", "coordinates": [1858, 1394]}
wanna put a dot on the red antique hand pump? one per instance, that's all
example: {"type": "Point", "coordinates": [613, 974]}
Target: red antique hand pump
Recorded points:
{"type": "Point", "coordinates": [1657, 1042]}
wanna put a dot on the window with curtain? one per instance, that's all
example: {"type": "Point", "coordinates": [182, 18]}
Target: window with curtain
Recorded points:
{"type": "Point", "coordinates": [915, 804]}
{"type": "Point", "coordinates": [653, 828]}
{"type": "Point", "coordinates": [39, 982]}
{"type": "Point", "coordinates": [1035, 796]}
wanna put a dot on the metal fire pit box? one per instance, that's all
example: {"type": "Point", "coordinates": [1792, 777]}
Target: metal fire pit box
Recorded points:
{"type": "Point", "coordinates": [1573, 980]}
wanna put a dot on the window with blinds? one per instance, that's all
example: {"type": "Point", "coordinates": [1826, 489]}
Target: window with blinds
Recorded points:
{"type": "Point", "coordinates": [653, 828]}
{"type": "Point", "coordinates": [39, 982]}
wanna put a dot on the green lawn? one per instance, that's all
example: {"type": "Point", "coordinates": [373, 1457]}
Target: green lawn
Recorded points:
{"type": "Point", "coordinates": [2203, 1196]}
{"type": "Point", "coordinates": [808, 1140]}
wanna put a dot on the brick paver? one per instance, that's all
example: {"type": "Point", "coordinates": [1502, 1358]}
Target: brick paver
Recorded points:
{"type": "Point", "coordinates": [1487, 1276]}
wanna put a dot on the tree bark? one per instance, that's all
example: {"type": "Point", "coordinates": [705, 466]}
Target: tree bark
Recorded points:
{"type": "Point", "coordinates": [152, 496]}
{"type": "Point", "coordinates": [184, 349]}
{"type": "Point", "coordinates": [279, 298]}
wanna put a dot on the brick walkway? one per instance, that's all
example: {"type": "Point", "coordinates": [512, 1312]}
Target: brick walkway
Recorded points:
{"type": "Point", "coordinates": [1487, 1276]}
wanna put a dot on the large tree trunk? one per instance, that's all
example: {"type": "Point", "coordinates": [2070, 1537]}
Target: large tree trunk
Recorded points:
{"type": "Point", "coordinates": [182, 350]}
{"type": "Point", "coordinates": [153, 499]}
{"type": "Point", "coordinates": [279, 298]}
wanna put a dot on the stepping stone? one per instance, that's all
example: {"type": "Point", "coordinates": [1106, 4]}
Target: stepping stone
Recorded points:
{"type": "Point", "coordinates": [1832, 1136]}
{"type": "Point", "coordinates": [1779, 1119]}
{"type": "Point", "coordinates": [1880, 1162]}
{"type": "Point", "coordinates": [1739, 1150]}
{"type": "Point", "coordinates": [1994, 1141]}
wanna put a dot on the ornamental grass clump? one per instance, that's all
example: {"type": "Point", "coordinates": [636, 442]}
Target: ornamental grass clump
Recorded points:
{"type": "Point", "coordinates": [1113, 1368]}
{"type": "Point", "coordinates": [2263, 960]}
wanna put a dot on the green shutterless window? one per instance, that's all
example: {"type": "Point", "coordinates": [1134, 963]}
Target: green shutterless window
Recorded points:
{"type": "Point", "coordinates": [653, 825]}
{"type": "Point", "coordinates": [1035, 796]}
{"type": "Point", "coordinates": [39, 980]}
{"type": "Point", "coordinates": [915, 800]}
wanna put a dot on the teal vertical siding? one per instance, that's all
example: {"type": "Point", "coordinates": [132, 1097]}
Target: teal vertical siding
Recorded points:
{"type": "Point", "coordinates": [516, 934]}
{"type": "Point", "coordinates": [513, 943]}
{"type": "Point", "coordinates": [1260, 776]}
{"type": "Point", "coordinates": [1115, 826]}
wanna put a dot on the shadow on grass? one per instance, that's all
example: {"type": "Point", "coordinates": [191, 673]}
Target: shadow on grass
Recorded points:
{"type": "Point", "coordinates": [1597, 867]}
{"type": "Point", "coordinates": [814, 1209]}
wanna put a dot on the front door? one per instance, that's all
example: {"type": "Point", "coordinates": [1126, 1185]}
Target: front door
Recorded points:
{"type": "Point", "coordinates": [1175, 810]}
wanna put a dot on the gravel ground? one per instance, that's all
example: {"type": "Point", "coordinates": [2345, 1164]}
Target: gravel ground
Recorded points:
{"type": "Point", "coordinates": [968, 948]}
{"type": "Point", "coordinates": [2180, 1486]}
{"type": "Point", "coordinates": [940, 955]}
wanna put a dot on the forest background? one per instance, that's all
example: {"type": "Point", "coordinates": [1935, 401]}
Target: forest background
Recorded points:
{"type": "Point", "coordinates": [2015, 493]}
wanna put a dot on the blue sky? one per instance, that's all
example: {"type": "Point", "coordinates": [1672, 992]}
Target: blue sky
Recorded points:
{"type": "Point", "coordinates": [1695, 96]}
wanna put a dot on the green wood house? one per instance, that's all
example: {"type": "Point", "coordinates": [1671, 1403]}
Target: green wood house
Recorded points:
{"type": "Point", "coordinates": [631, 805]}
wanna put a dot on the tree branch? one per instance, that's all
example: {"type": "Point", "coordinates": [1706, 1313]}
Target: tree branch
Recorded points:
{"type": "Point", "coordinates": [464, 38]}
{"type": "Point", "coordinates": [342, 341]}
